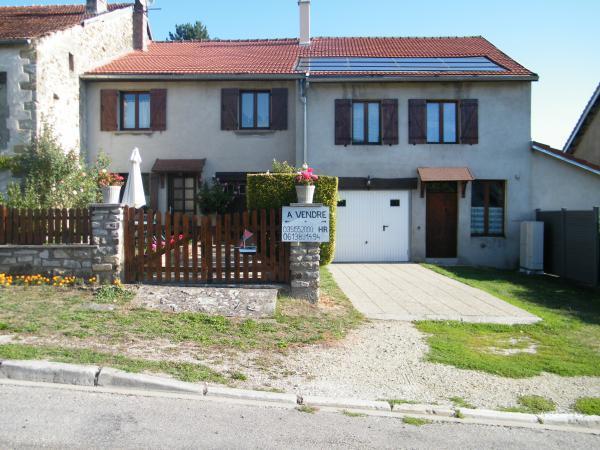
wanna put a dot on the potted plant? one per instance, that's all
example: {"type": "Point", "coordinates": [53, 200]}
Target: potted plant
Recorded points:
{"type": "Point", "coordinates": [213, 200]}
{"type": "Point", "coordinates": [110, 183]}
{"type": "Point", "coordinates": [305, 184]}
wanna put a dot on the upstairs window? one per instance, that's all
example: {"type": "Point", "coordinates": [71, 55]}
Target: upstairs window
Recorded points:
{"type": "Point", "coordinates": [135, 110]}
{"type": "Point", "coordinates": [442, 123]}
{"type": "Point", "coordinates": [255, 110]}
{"type": "Point", "coordinates": [487, 208]}
{"type": "Point", "coordinates": [366, 122]}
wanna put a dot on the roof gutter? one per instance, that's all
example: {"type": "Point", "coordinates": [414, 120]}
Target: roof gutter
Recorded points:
{"type": "Point", "coordinates": [188, 76]}
{"type": "Point", "coordinates": [299, 76]}
{"type": "Point", "coordinates": [567, 160]}
{"type": "Point", "coordinates": [15, 41]}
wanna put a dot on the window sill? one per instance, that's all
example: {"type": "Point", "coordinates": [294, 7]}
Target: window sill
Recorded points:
{"type": "Point", "coordinates": [495, 236]}
{"type": "Point", "coordinates": [138, 132]}
{"type": "Point", "coordinates": [253, 132]}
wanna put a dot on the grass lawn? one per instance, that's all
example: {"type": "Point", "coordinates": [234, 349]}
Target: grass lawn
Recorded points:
{"type": "Point", "coordinates": [64, 313]}
{"type": "Point", "coordinates": [566, 342]}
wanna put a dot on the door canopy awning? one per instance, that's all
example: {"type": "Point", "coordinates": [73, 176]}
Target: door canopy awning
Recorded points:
{"type": "Point", "coordinates": [191, 166]}
{"type": "Point", "coordinates": [461, 175]}
{"type": "Point", "coordinates": [428, 174]}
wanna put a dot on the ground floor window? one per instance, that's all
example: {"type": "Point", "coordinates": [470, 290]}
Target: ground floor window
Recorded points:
{"type": "Point", "coordinates": [182, 193]}
{"type": "Point", "coordinates": [487, 208]}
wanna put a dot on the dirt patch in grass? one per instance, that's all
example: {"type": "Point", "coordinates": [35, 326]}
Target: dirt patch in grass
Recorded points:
{"type": "Point", "coordinates": [564, 343]}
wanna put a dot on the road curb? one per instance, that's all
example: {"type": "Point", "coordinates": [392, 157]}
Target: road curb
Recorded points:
{"type": "Point", "coordinates": [95, 376]}
{"type": "Point", "coordinates": [49, 372]}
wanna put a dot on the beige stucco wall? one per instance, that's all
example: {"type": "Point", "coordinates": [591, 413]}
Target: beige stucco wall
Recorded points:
{"type": "Point", "coordinates": [588, 147]}
{"type": "Point", "coordinates": [561, 185]}
{"type": "Point", "coordinates": [96, 42]}
{"type": "Point", "coordinates": [193, 130]}
{"type": "Point", "coordinates": [502, 153]}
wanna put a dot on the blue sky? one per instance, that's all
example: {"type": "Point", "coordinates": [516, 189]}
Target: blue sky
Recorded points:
{"type": "Point", "coordinates": [559, 40]}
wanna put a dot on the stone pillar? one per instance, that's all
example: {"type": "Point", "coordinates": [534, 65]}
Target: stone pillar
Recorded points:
{"type": "Point", "coordinates": [107, 234]}
{"type": "Point", "coordinates": [304, 267]}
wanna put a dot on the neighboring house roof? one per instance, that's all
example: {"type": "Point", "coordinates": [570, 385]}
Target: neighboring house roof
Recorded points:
{"type": "Point", "coordinates": [27, 22]}
{"type": "Point", "coordinates": [566, 157]}
{"type": "Point", "coordinates": [282, 57]}
{"type": "Point", "coordinates": [585, 119]}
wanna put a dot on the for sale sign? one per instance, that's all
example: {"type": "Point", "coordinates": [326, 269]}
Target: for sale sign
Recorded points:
{"type": "Point", "coordinates": [305, 224]}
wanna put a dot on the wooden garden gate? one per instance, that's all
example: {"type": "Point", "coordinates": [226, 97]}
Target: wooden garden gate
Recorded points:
{"type": "Point", "coordinates": [184, 248]}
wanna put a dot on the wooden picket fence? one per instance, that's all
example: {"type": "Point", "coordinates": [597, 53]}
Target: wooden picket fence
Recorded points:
{"type": "Point", "coordinates": [44, 226]}
{"type": "Point", "coordinates": [183, 248]}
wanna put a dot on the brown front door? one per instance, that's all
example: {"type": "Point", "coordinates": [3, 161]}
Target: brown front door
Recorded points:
{"type": "Point", "coordinates": [442, 219]}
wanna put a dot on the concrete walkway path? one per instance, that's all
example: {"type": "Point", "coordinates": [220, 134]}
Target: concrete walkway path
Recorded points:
{"type": "Point", "coordinates": [410, 292]}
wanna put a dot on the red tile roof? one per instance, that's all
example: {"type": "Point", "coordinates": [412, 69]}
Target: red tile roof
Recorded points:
{"type": "Point", "coordinates": [24, 22]}
{"type": "Point", "coordinates": [280, 56]}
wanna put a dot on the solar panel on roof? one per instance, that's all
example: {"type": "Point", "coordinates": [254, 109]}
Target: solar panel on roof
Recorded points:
{"type": "Point", "coordinates": [358, 64]}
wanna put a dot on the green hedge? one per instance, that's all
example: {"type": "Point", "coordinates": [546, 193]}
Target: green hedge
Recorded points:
{"type": "Point", "coordinates": [278, 189]}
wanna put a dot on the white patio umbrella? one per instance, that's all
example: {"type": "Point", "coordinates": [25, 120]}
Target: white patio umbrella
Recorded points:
{"type": "Point", "coordinates": [134, 190]}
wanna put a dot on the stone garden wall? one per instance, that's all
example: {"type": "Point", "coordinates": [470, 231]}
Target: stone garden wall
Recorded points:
{"type": "Point", "coordinates": [103, 257]}
{"type": "Point", "coordinates": [55, 259]}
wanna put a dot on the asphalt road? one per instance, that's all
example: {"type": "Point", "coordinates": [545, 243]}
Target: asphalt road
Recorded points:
{"type": "Point", "coordinates": [36, 416]}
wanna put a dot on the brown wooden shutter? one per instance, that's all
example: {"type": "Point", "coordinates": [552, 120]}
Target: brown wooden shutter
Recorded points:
{"type": "Point", "coordinates": [230, 99]}
{"type": "Point", "coordinates": [158, 109]}
{"type": "Point", "coordinates": [279, 109]}
{"type": "Point", "coordinates": [154, 184]}
{"type": "Point", "coordinates": [343, 122]}
{"type": "Point", "coordinates": [417, 121]}
{"type": "Point", "coordinates": [109, 101]}
{"type": "Point", "coordinates": [389, 118]}
{"type": "Point", "coordinates": [469, 122]}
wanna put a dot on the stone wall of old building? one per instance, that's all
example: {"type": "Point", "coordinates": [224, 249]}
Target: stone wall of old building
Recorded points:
{"type": "Point", "coordinates": [62, 57]}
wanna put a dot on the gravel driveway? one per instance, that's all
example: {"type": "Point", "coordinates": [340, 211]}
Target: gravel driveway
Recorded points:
{"type": "Point", "coordinates": [384, 359]}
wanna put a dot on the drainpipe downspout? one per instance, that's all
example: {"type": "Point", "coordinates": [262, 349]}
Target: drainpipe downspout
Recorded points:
{"type": "Point", "coordinates": [304, 83]}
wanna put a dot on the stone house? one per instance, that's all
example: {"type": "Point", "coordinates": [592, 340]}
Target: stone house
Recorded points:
{"type": "Point", "coordinates": [43, 52]}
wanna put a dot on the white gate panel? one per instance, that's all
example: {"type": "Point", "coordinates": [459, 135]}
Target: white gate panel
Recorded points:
{"type": "Point", "coordinates": [373, 226]}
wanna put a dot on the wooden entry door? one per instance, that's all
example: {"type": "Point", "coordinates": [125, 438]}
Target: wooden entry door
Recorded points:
{"type": "Point", "coordinates": [442, 220]}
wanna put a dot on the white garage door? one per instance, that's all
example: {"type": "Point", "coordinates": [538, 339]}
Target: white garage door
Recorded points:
{"type": "Point", "coordinates": [372, 226]}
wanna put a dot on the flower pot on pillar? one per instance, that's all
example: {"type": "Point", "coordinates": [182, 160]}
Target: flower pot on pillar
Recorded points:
{"type": "Point", "coordinates": [110, 183]}
{"type": "Point", "coordinates": [110, 194]}
{"type": "Point", "coordinates": [305, 185]}
{"type": "Point", "coordinates": [305, 193]}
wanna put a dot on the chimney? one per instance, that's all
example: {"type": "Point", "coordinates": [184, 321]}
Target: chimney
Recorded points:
{"type": "Point", "coordinates": [304, 21]}
{"type": "Point", "coordinates": [96, 6]}
{"type": "Point", "coordinates": [140, 25]}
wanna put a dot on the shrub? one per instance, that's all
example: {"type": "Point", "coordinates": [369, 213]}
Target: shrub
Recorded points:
{"type": "Point", "coordinates": [282, 167]}
{"type": "Point", "coordinates": [272, 191]}
{"type": "Point", "coordinates": [52, 178]}
{"type": "Point", "coordinates": [214, 199]}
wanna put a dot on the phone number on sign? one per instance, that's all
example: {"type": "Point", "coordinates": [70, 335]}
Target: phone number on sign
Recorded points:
{"type": "Point", "coordinates": [301, 237]}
